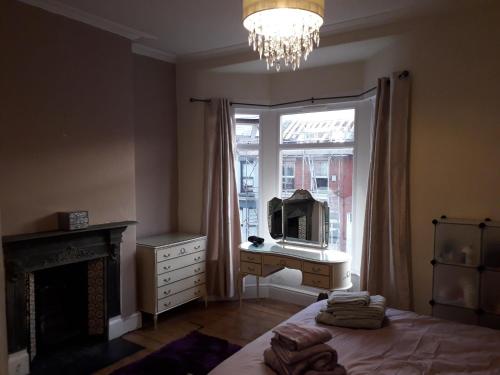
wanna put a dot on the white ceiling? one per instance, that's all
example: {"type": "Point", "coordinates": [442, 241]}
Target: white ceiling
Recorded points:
{"type": "Point", "coordinates": [336, 54]}
{"type": "Point", "coordinates": [182, 28]}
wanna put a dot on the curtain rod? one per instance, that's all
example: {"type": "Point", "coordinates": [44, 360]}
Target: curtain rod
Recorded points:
{"type": "Point", "coordinates": [402, 75]}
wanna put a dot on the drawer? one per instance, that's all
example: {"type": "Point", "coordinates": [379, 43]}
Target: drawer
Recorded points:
{"type": "Point", "coordinates": [176, 251]}
{"type": "Point", "coordinates": [321, 269]}
{"type": "Point", "coordinates": [250, 257]}
{"type": "Point", "coordinates": [274, 260]}
{"type": "Point", "coordinates": [180, 298]}
{"type": "Point", "coordinates": [317, 281]}
{"type": "Point", "coordinates": [179, 286]}
{"type": "Point", "coordinates": [184, 261]}
{"type": "Point", "coordinates": [250, 268]}
{"type": "Point", "coordinates": [182, 273]}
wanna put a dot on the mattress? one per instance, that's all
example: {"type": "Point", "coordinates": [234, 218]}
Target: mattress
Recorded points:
{"type": "Point", "coordinates": [407, 344]}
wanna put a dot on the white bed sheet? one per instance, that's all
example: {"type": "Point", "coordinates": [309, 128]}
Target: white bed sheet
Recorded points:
{"type": "Point", "coordinates": [408, 344]}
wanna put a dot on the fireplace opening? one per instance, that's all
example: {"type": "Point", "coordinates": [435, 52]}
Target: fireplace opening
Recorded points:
{"type": "Point", "coordinates": [61, 300]}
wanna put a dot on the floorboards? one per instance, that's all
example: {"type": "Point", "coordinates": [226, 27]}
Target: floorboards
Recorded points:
{"type": "Point", "coordinates": [221, 319]}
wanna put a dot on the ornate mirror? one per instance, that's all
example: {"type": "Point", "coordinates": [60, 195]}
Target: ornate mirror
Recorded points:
{"type": "Point", "coordinates": [299, 219]}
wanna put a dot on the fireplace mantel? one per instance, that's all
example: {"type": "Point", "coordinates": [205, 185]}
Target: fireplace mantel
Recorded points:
{"type": "Point", "coordinates": [27, 253]}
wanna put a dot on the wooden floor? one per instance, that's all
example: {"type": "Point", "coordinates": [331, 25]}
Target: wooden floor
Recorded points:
{"type": "Point", "coordinates": [221, 319]}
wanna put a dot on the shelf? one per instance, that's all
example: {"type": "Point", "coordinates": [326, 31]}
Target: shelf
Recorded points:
{"type": "Point", "coordinates": [457, 264]}
{"type": "Point", "coordinates": [457, 314]}
{"type": "Point", "coordinates": [456, 286]}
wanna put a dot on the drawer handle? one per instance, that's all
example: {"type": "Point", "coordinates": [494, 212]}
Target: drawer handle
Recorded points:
{"type": "Point", "coordinates": [167, 292]}
{"type": "Point", "coordinates": [183, 251]}
{"type": "Point", "coordinates": [316, 269]}
{"type": "Point", "coordinates": [166, 280]}
{"type": "Point", "coordinates": [167, 304]}
{"type": "Point", "coordinates": [196, 282]}
{"type": "Point", "coordinates": [197, 258]}
{"type": "Point", "coordinates": [316, 282]}
{"type": "Point", "coordinates": [250, 258]}
{"type": "Point", "coordinates": [282, 262]}
{"type": "Point", "coordinates": [252, 269]}
{"type": "Point", "coordinates": [197, 247]}
{"type": "Point", "coordinates": [196, 270]}
{"type": "Point", "coordinates": [167, 267]}
{"type": "Point", "coordinates": [196, 293]}
{"type": "Point", "coordinates": [166, 255]}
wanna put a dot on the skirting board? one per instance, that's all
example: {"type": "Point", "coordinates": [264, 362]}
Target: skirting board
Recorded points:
{"type": "Point", "coordinates": [119, 326]}
{"type": "Point", "coordinates": [281, 293]}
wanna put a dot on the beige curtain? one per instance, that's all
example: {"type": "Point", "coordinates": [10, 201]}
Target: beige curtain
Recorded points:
{"type": "Point", "coordinates": [221, 220]}
{"type": "Point", "coordinates": [3, 324]}
{"type": "Point", "coordinates": [386, 261]}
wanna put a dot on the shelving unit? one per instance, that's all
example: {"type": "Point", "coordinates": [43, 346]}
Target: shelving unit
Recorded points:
{"type": "Point", "coordinates": [466, 281]}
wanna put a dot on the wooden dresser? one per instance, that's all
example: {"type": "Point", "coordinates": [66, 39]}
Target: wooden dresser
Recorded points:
{"type": "Point", "coordinates": [170, 271]}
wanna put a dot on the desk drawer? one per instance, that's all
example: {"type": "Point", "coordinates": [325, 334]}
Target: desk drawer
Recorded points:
{"type": "Point", "coordinates": [274, 260]}
{"type": "Point", "coordinates": [174, 264]}
{"type": "Point", "coordinates": [250, 257]}
{"type": "Point", "coordinates": [179, 286]}
{"type": "Point", "coordinates": [180, 250]}
{"type": "Point", "coordinates": [317, 281]}
{"type": "Point", "coordinates": [182, 273]}
{"type": "Point", "coordinates": [180, 298]}
{"type": "Point", "coordinates": [251, 268]}
{"type": "Point", "coordinates": [321, 269]}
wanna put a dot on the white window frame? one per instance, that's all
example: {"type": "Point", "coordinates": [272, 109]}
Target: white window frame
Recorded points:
{"type": "Point", "coordinates": [269, 153]}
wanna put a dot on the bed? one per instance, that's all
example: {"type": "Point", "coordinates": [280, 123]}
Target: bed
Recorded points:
{"type": "Point", "coordinates": [407, 344]}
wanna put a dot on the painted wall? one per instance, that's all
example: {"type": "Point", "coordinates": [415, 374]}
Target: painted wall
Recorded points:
{"type": "Point", "coordinates": [155, 146]}
{"type": "Point", "coordinates": [455, 124]}
{"type": "Point", "coordinates": [69, 138]}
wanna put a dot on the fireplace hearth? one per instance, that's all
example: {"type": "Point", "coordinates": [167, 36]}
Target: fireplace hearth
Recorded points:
{"type": "Point", "coordinates": [62, 287]}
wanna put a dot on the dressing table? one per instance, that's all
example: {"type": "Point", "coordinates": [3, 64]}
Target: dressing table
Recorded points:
{"type": "Point", "coordinates": [300, 226]}
{"type": "Point", "coordinates": [323, 269]}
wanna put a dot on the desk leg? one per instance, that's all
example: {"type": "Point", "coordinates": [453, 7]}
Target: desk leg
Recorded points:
{"type": "Point", "coordinates": [258, 287]}
{"type": "Point", "coordinates": [240, 286]}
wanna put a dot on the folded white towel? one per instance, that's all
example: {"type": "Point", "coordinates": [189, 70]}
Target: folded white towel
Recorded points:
{"type": "Point", "coordinates": [349, 298]}
{"type": "Point", "coordinates": [354, 316]}
{"type": "Point", "coordinates": [327, 318]}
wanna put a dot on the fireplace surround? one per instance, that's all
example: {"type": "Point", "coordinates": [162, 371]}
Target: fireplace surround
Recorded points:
{"type": "Point", "coordinates": [70, 264]}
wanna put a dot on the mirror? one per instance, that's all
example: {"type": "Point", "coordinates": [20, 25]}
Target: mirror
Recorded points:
{"type": "Point", "coordinates": [299, 219]}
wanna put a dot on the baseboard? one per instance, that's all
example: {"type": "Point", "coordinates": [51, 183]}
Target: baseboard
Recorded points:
{"type": "Point", "coordinates": [119, 326]}
{"type": "Point", "coordinates": [281, 293]}
{"type": "Point", "coordinates": [19, 363]}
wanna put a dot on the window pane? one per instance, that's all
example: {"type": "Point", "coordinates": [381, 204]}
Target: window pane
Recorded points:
{"type": "Point", "coordinates": [247, 129]}
{"type": "Point", "coordinates": [318, 127]}
{"type": "Point", "coordinates": [327, 174]}
{"type": "Point", "coordinates": [247, 179]}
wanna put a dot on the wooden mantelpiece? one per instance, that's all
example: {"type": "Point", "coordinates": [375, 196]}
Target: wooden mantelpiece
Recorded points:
{"type": "Point", "coordinates": [27, 253]}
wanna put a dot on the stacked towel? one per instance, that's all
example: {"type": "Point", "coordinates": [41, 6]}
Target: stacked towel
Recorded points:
{"type": "Point", "coordinates": [300, 350]}
{"type": "Point", "coordinates": [352, 311]}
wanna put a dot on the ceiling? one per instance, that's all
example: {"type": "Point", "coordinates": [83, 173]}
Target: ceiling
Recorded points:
{"type": "Point", "coordinates": [183, 28]}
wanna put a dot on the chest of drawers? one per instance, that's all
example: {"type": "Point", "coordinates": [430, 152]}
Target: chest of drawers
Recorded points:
{"type": "Point", "coordinates": [170, 271]}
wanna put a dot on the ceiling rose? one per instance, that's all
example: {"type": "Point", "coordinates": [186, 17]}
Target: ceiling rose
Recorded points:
{"type": "Point", "coordinates": [283, 31]}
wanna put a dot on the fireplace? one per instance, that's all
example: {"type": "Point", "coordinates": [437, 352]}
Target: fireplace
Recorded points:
{"type": "Point", "coordinates": [62, 287]}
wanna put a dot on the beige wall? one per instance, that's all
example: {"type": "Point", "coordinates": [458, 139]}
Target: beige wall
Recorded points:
{"type": "Point", "coordinates": [455, 125]}
{"type": "Point", "coordinates": [455, 148]}
{"type": "Point", "coordinates": [195, 81]}
{"type": "Point", "coordinates": [155, 146]}
{"type": "Point", "coordinates": [67, 135]}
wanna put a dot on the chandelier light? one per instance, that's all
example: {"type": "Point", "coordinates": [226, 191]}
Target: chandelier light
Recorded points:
{"type": "Point", "coordinates": [283, 31]}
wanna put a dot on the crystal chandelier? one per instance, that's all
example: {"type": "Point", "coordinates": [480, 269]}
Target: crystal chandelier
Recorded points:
{"type": "Point", "coordinates": [283, 31]}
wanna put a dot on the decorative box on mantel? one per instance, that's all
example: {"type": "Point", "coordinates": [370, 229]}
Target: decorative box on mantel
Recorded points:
{"type": "Point", "coordinates": [35, 262]}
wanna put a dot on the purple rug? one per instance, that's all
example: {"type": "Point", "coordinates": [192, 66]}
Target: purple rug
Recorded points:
{"type": "Point", "coordinates": [195, 354]}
